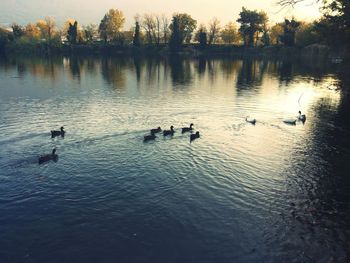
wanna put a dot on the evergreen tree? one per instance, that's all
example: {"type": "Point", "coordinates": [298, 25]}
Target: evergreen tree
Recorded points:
{"type": "Point", "coordinates": [73, 32]}
{"type": "Point", "coordinates": [175, 38]}
{"type": "Point", "coordinates": [137, 39]}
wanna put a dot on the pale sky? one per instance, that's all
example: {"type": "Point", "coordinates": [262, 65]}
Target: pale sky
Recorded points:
{"type": "Point", "coordinates": [87, 11]}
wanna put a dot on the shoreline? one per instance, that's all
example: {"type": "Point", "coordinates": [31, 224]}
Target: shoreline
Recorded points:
{"type": "Point", "coordinates": [315, 51]}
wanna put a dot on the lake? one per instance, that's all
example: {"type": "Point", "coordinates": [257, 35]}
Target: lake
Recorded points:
{"type": "Point", "coordinates": [269, 192]}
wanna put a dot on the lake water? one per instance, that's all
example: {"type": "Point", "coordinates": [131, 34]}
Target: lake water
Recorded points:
{"type": "Point", "coordinates": [269, 192]}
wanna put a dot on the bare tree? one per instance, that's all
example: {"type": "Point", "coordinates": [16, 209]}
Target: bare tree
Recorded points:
{"type": "Point", "coordinates": [149, 25]}
{"type": "Point", "coordinates": [165, 28]}
{"type": "Point", "coordinates": [214, 29]}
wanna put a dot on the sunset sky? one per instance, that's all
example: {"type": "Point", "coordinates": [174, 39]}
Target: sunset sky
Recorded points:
{"type": "Point", "coordinates": [86, 11]}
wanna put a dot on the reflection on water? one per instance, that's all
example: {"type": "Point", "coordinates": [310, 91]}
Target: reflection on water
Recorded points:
{"type": "Point", "coordinates": [241, 193]}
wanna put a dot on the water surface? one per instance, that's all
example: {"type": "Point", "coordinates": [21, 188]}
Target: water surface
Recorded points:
{"type": "Point", "coordinates": [268, 192]}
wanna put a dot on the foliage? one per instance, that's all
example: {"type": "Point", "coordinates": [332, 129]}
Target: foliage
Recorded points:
{"type": "Point", "coordinates": [276, 31]}
{"type": "Point", "coordinates": [252, 22]}
{"type": "Point", "coordinates": [201, 36]}
{"type": "Point", "coordinates": [4, 38]}
{"type": "Point", "coordinates": [186, 26]}
{"type": "Point", "coordinates": [229, 33]}
{"type": "Point", "coordinates": [289, 30]}
{"type": "Point", "coordinates": [306, 34]}
{"type": "Point", "coordinates": [111, 25]}
{"type": "Point", "coordinates": [90, 32]}
{"type": "Point", "coordinates": [32, 32]}
{"type": "Point", "coordinates": [47, 29]}
{"type": "Point", "coordinates": [176, 37]}
{"type": "Point", "coordinates": [17, 31]}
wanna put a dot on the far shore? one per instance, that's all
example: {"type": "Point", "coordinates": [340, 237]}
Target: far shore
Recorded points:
{"type": "Point", "coordinates": [315, 51]}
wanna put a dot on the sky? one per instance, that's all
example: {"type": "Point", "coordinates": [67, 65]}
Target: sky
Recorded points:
{"type": "Point", "coordinates": [87, 11]}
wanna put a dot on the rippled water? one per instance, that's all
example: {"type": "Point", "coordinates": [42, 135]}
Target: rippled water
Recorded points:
{"type": "Point", "coordinates": [268, 192]}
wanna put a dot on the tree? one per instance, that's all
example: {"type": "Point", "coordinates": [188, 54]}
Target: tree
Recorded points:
{"type": "Point", "coordinates": [214, 29]}
{"type": "Point", "coordinates": [47, 28]}
{"type": "Point", "coordinates": [289, 30]}
{"type": "Point", "coordinates": [111, 25]}
{"type": "Point", "coordinates": [176, 38]}
{"type": "Point", "coordinates": [306, 34]}
{"type": "Point", "coordinates": [149, 25]}
{"type": "Point", "coordinates": [276, 31]}
{"type": "Point", "coordinates": [165, 29]}
{"type": "Point", "coordinates": [90, 32]}
{"type": "Point", "coordinates": [17, 31]}
{"type": "Point", "coordinates": [32, 31]}
{"type": "Point", "coordinates": [72, 32]}
{"type": "Point", "coordinates": [229, 33]}
{"type": "Point", "coordinates": [186, 26]}
{"type": "Point", "coordinates": [201, 28]}
{"type": "Point", "coordinates": [334, 27]}
{"type": "Point", "coordinates": [137, 40]}
{"type": "Point", "coordinates": [252, 22]}
{"type": "Point", "coordinates": [202, 39]}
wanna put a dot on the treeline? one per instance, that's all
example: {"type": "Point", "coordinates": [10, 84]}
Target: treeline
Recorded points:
{"type": "Point", "coordinates": [251, 28]}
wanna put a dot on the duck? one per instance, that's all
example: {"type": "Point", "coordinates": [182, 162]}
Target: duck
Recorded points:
{"type": "Point", "coordinates": [290, 121]}
{"type": "Point", "coordinates": [169, 132]}
{"type": "Point", "coordinates": [58, 133]}
{"type": "Point", "coordinates": [252, 121]}
{"type": "Point", "coordinates": [301, 117]}
{"type": "Point", "coordinates": [149, 137]}
{"type": "Point", "coordinates": [48, 157]}
{"type": "Point", "coordinates": [187, 129]}
{"type": "Point", "coordinates": [156, 130]}
{"type": "Point", "coordinates": [194, 136]}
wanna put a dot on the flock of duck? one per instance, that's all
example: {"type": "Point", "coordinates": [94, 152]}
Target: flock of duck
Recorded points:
{"type": "Point", "coordinates": [152, 136]}
{"type": "Point", "coordinates": [54, 157]}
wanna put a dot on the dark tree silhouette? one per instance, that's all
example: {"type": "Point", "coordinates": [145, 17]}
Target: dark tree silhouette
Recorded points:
{"type": "Point", "coordinates": [137, 39]}
{"type": "Point", "coordinates": [289, 29]}
{"type": "Point", "coordinates": [176, 37]}
{"type": "Point", "coordinates": [202, 39]}
{"type": "Point", "coordinates": [17, 31]}
{"type": "Point", "coordinates": [73, 33]}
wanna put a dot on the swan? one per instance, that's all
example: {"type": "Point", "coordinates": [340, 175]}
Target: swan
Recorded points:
{"type": "Point", "coordinates": [57, 133]}
{"type": "Point", "coordinates": [194, 136]}
{"type": "Point", "coordinates": [169, 132]}
{"type": "Point", "coordinates": [301, 117]}
{"type": "Point", "coordinates": [187, 129]}
{"type": "Point", "coordinates": [48, 157]}
{"type": "Point", "coordinates": [156, 130]}
{"type": "Point", "coordinates": [252, 121]}
{"type": "Point", "coordinates": [149, 137]}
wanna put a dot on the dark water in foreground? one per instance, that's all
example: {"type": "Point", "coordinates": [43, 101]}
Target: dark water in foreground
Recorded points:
{"type": "Point", "coordinates": [241, 193]}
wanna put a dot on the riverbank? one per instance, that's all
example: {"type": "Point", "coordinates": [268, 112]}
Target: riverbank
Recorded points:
{"type": "Point", "coordinates": [315, 51]}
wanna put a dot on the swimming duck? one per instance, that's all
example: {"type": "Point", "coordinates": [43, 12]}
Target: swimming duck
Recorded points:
{"type": "Point", "coordinates": [48, 157]}
{"type": "Point", "coordinates": [57, 133]}
{"type": "Point", "coordinates": [156, 130]}
{"type": "Point", "coordinates": [149, 137]}
{"type": "Point", "coordinates": [169, 132]}
{"type": "Point", "coordinates": [252, 121]}
{"type": "Point", "coordinates": [187, 129]}
{"type": "Point", "coordinates": [290, 121]}
{"type": "Point", "coordinates": [194, 136]}
{"type": "Point", "coordinates": [301, 117]}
